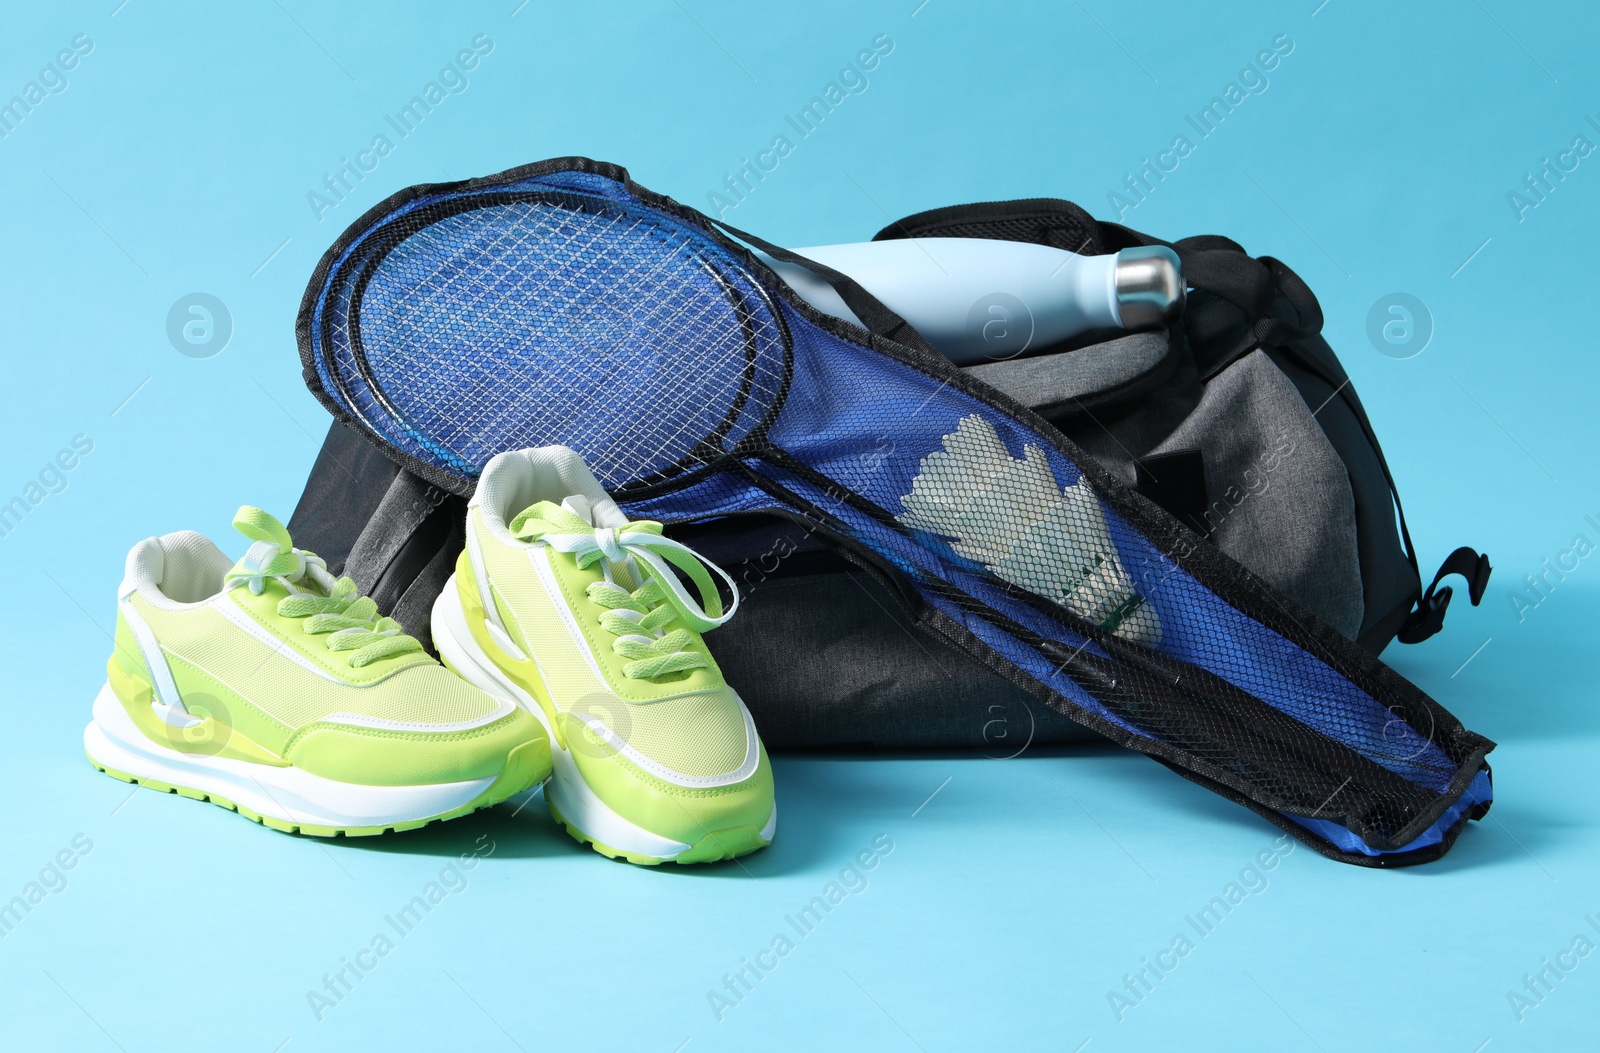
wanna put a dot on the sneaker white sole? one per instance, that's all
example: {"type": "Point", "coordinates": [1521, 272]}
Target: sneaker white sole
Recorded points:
{"type": "Point", "coordinates": [282, 797]}
{"type": "Point", "coordinates": [567, 793]}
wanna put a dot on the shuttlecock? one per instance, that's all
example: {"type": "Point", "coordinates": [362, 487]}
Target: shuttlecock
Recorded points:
{"type": "Point", "coordinates": [1011, 515]}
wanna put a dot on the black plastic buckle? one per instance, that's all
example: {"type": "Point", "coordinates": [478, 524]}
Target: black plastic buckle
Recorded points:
{"type": "Point", "coordinates": [1428, 617]}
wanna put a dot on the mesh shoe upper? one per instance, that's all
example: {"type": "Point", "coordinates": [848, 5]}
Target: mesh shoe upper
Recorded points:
{"type": "Point", "coordinates": [687, 726]}
{"type": "Point", "coordinates": [200, 638]}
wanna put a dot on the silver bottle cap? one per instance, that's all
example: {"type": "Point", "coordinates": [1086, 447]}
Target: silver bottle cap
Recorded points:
{"type": "Point", "coordinates": [1150, 289]}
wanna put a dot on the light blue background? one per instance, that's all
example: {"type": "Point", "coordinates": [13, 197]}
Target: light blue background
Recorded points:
{"type": "Point", "coordinates": [1379, 160]}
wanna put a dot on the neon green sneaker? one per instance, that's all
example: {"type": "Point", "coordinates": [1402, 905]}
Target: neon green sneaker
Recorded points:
{"type": "Point", "coordinates": [562, 604]}
{"type": "Point", "coordinates": [269, 687]}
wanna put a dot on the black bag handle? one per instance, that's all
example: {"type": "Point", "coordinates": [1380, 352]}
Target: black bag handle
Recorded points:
{"type": "Point", "coordinates": [1221, 266]}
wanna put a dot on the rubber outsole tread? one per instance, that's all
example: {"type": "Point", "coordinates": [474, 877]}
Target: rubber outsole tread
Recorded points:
{"type": "Point", "coordinates": [717, 846]}
{"type": "Point", "coordinates": [525, 768]}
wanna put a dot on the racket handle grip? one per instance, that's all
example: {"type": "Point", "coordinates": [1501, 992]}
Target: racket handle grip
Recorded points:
{"type": "Point", "coordinates": [977, 299]}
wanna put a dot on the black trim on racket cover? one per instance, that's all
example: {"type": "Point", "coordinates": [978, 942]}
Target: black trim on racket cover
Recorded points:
{"type": "Point", "coordinates": [386, 239]}
{"type": "Point", "coordinates": [808, 515]}
{"type": "Point", "coordinates": [706, 456]}
{"type": "Point", "coordinates": [1091, 674]}
{"type": "Point", "coordinates": [1229, 580]}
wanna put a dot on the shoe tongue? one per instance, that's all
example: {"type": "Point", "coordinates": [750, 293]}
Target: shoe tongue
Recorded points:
{"type": "Point", "coordinates": [580, 506]}
{"type": "Point", "coordinates": [574, 514]}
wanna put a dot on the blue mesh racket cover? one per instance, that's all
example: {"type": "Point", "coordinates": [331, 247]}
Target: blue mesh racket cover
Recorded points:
{"type": "Point", "coordinates": [562, 303]}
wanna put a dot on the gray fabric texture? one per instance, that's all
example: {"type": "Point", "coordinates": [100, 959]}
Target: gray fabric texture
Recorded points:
{"type": "Point", "coordinates": [1389, 581]}
{"type": "Point", "coordinates": [407, 502]}
{"type": "Point", "coordinates": [1048, 381]}
{"type": "Point", "coordinates": [1280, 500]}
{"type": "Point", "coordinates": [855, 673]}
{"type": "Point", "coordinates": [1279, 497]}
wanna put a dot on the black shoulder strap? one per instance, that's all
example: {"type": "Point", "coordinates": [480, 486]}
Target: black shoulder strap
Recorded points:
{"type": "Point", "coordinates": [407, 503]}
{"type": "Point", "coordinates": [395, 534]}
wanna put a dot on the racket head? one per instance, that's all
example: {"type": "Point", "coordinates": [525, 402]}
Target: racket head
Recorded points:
{"type": "Point", "coordinates": [454, 322]}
